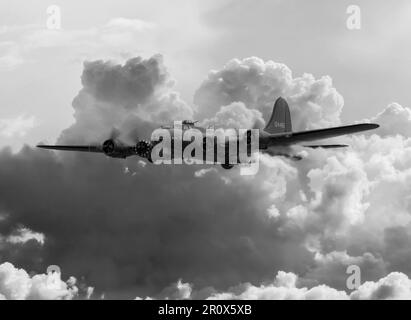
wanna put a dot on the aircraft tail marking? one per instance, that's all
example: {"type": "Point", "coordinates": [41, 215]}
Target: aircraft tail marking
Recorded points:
{"type": "Point", "coordinates": [280, 120]}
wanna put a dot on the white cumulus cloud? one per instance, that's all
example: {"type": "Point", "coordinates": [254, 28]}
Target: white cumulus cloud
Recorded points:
{"type": "Point", "coordinates": [17, 284]}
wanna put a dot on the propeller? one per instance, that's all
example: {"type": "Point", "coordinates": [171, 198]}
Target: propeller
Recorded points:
{"type": "Point", "coordinates": [142, 147]}
{"type": "Point", "coordinates": [109, 145]}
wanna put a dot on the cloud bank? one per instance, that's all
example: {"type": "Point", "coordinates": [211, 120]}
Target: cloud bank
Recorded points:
{"type": "Point", "coordinates": [395, 286]}
{"type": "Point", "coordinates": [17, 284]}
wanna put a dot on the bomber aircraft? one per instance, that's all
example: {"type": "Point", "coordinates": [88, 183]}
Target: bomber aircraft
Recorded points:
{"type": "Point", "coordinates": [277, 139]}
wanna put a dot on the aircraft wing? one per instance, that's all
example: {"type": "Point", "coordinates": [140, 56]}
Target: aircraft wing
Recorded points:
{"type": "Point", "coordinates": [72, 148]}
{"type": "Point", "coordinates": [288, 138]}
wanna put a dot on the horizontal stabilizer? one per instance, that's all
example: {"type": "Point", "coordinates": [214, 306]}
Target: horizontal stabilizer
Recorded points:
{"type": "Point", "coordinates": [317, 134]}
{"type": "Point", "coordinates": [327, 146]}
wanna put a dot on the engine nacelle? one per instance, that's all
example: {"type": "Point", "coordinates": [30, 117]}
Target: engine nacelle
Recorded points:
{"type": "Point", "coordinates": [116, 149]}
{"type": "Point", "coordinates": [143, 149]}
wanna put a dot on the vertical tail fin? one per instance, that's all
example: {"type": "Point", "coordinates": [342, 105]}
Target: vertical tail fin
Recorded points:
{"type": "Point", "coordinates": [280, 120]}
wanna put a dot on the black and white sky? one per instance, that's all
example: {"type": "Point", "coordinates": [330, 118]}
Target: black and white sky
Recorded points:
{"type": "Point", "coordinates": [128, 229]}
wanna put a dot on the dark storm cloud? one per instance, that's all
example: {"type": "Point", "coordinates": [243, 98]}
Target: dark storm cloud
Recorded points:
{"type": "Point", "coordinates": [141, 232]}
